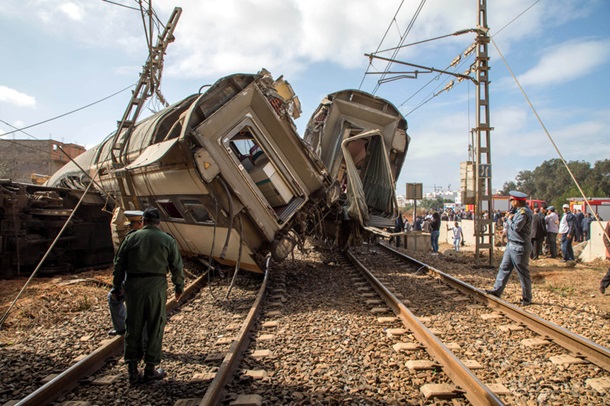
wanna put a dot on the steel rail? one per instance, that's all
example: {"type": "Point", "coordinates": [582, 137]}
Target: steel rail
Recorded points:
{"type": "Point", "coordinates": [216, 390]}
{"type": "Point", "coordinates": [69, 379]}
{"type": "Point", "coordinates": [580, 346]}
{"type": "Point", "coordinates": [474, 390]}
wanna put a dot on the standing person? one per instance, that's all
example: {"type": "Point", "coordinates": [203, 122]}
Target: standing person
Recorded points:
{"type": "Point", "coordinates": [552, 228]}
{"type": "Point", "coordinates": [545, 245]}
{"type": "Point", "coordinates": [567, 229]}
{"type": "Point", "coordinates": [418, 223]}
{"type": "Point", "coordinates": [405, 220]}
{"type": "Point", "coordinates": [398, 228]}
{"type": "Point", "coordinates": [435, 226]}
{"type": "Point", "coordinates": [586, 226]}
{"type": "Point", "coordinates": [458, 235]}
{"type": "Point", "coordinates": [116, 301]}
{"type": "Point", "coordinates": [518, 228]}
{"type": "Point", "coordinates": [605, 282]}
{"type": "Point", "coordinates": [142, 262]}
{"type": "Point", "coordinates": [579, 216]}
{"type": "Point", "coordinates": [538, 234]}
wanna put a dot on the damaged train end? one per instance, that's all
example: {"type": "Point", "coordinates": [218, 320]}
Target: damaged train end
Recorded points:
{"type": "Point", "coordinates": [31, 217]}
{"type": "Point", "coordinates": [227, 170]}
{"type": "Point", "coordinates": [362, 140]}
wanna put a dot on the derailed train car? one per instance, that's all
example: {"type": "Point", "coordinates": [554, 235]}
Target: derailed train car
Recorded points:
{"type": "Point", "coordinates": [233, 180]}
{"type": "Point", "coordinates": [363, 141]}
{"type": "Point", "coordinates": [31, 217]}
{"type": "Point", "coordinates": [226, 168]}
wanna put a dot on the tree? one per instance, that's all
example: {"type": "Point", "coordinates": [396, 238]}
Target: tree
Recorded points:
{"type": "Point", "coordinates": [432, 204]}
{"type": "Point", "coordinates": [552, 182]}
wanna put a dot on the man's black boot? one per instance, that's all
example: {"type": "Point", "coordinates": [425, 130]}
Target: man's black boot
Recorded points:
{"type": "Point", "coordinates": [134, 375]}
{"type": "Point", "coordinates": [152, 374]}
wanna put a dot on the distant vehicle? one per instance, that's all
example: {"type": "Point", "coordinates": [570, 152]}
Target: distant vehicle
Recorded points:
{"type": "Point", "coordinates": [502, 203]}
{"type": "Point", "coordinates": [600, 206]}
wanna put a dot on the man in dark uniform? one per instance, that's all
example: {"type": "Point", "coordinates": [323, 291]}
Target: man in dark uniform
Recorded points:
{"type": "Point", "coordinates": [142, 262]}
{"type": "Point", "coordinates": [605, 282]}
{"type": "Point", "coordinates": [538, 233]}
{"type": "Point", "coordinates": [518, 228]}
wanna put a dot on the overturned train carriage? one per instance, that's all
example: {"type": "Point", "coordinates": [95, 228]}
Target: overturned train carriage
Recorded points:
{"type": "Point", "coordinates": [228, 172]}
{"type": "Point", "coordinates": [226, 168]}
{"type": "Point", "coordinates": [31, 218]}
{"type": "Point", "coordinates": [363, 141]}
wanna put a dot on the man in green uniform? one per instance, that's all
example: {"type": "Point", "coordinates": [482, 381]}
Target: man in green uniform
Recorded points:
{"type": "Point", "coordinates": [142, 262]}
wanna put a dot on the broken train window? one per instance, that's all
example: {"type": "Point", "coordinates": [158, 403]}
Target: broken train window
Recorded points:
{"type": "Point", "coordinates": [197, 211]}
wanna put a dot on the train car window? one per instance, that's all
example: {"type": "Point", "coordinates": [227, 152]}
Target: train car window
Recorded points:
{"type": "Point", "coordinates": [242, 147]}
{"type": "Point", "coordinates": [197, 210]}
{"type": "Point", "coordinates": [170, 209]}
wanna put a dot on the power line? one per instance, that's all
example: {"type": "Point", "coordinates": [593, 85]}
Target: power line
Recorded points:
{"type": "Point", "coordinates": [24, 145]}
{"type": "Point", "coordinates": [402, 40]}
{"type": "Point", "coordinates": [121, 5]}
{"type": "Point", "coordinates": [381, 42]}
{"type": "Point", "coordinates": [515, 19]}
{"type": "Point", "coordinates": [439, 75]}
{"type": "Point", "coordinates": [68, 113]}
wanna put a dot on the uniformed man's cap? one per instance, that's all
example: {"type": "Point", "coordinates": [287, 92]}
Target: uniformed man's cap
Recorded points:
{"type": "Point", "coordinates": [551, 208]}
{"type": "Point", "coordinates": [133, 216]}
{"type": "Point", "coordinates": [152, 214]}
{"type": "Point", "coordinates": [566, 206]}
{"type": "Point", "coordinates": [514, 195]}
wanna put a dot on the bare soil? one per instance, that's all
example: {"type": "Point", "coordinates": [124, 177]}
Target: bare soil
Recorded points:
{"type": "Point", "coordinates": [48, 301]}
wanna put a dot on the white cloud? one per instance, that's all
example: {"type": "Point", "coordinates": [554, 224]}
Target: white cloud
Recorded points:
{"type": "Point", "coordinates": [216, 37]}
{"type": "Point", "coordinates": [12, 96]}
{"type": "Point", "coordinates": [567, 61]}
{"type": "Point", "coordinates": [73, 11]}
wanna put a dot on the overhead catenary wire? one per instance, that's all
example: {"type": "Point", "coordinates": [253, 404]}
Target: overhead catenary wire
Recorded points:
{"type": "Point", "coordinates": [393, 21]}
{"type": "Point", "coordinates": [403, 38]}
{"type": "Point", "coordinates": [425, 101]}
{"type": "Point", "coordinates": [121, 5]}
{"type": "Point", "coordinates": [17, 142]}
{"type": "Point", "coordinates": [69, 112]}
{"type": "Point", "coordinates": [546, 131]}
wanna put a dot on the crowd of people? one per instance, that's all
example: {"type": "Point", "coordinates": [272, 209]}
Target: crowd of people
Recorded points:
{"type": "Point", "coordinates": [527, 234]}
{"type": "Point", "coordinates": [138, 297]}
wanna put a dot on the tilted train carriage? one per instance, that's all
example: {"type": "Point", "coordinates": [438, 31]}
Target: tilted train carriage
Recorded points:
{"type": "Point", "coordinates": [234, 181]}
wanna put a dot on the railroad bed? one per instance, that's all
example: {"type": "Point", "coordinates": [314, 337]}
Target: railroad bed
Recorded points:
{"type": "Point", "coordinates": [498, 342]}
{"type": "Point", "coordinates": [322, 337]}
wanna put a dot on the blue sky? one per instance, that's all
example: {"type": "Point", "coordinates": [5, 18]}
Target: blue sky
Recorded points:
{"type": "Point", "coordinates": [59, 55]}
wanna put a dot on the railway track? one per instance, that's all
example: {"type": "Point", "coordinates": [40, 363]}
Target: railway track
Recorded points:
{"type": "Point", "coordinates": [515, 352]}
{"type": "Point", "coordinates": [321, 330]}
{"type": "Point", "coordinates": [329, 341]}
{"type": "Point", "coordinates": [204, 337]}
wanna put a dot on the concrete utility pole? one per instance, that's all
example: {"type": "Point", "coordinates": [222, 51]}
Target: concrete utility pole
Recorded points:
{"type": "Point", "coordinates": [483, 228]}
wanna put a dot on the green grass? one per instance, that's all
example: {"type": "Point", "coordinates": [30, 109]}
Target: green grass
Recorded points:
{"type": "Point", "coordinates": [563, 291]}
